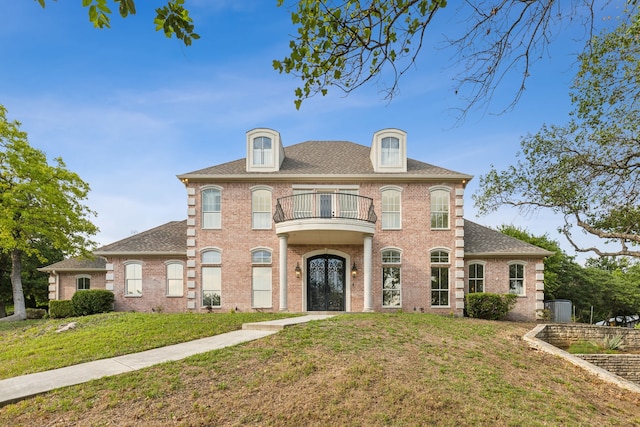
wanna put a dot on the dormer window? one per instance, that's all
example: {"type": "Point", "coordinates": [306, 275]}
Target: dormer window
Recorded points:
{"type": "Point", "coordinates": [389, 151]}
{"type": "Point", "coordinates": [390, 154]}
{"type": "Point", "coordinates": [262, 151]}
{"type": "Point", "coordinates": [265, 152]}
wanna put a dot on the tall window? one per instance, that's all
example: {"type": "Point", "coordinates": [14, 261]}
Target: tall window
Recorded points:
{"type": "Point", "coordinates": [133, 279]}
{"type": "Point", "coordinates": [476, 278]}
{"type": "Point", "coordinates": [262, 151]}
{"type": "Point", "coordinates": [175, 279]}
{"type": "Point", "coordinates": [83, 283]}
{"type": "Point", "coordinates": [348, 203]}
{"type": "Point", "coordinates": [261, 279]}
{"type": "Point", "coordinates": [439, 278]}
{"type": "Point", "coordinates": [390, 151]}
{"type": "Point", "coordinates": [261, 207]}
{"type": "Point", "coordinates": [211, 202]}
{"type": "Point", "coordinates": [391, 288]}
{"type": "Point", "coordinates": [439, 209]}
{"type": "Point", "coordinates": [390, 209]}
{"type": "Point", "coordinates": [211, 278]}
{"type": "Point", "coordinates": [516, 279]}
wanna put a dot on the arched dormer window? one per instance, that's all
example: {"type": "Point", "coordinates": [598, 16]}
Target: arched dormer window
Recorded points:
{"type": "Point", "coordinates": [265, 152]}
{"type": "Point", "coordinates": [389, 151]}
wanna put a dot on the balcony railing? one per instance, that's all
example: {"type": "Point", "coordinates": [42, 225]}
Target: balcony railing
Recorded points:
{"type": "Point", "coordinates": [325, 206]}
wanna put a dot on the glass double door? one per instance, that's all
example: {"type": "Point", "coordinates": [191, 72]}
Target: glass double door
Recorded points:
{"type": "Point", "coordinates": [326, 283]}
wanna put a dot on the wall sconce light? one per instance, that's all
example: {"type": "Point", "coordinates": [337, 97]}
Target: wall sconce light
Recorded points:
{"type": "Point", "coordinates": [354, 270]}
{"type": "Point", "coordinates": [298, 270]}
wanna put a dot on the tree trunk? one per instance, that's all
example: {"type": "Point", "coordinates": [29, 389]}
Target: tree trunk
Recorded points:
{"type": "Point", "coordinates": [19, 310]}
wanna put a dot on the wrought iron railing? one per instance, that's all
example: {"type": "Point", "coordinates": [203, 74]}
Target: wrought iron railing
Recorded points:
{"type": "Point", "coordinates": [325, 205]}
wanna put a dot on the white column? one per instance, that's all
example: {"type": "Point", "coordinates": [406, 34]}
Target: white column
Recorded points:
{"type": "Point", "coordinates": [283, 272]}
{"type": "Point", "coordinates": [368, 287]}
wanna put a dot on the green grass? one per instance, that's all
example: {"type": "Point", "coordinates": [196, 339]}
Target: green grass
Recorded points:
{"type": "Point", "coordinates": [34, 345]}
{"type": "Point", "coordinates": [351, 370]}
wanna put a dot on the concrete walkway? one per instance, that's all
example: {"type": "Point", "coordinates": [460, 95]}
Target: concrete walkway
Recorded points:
{"type": "Point", "coordinates": [17, 388]}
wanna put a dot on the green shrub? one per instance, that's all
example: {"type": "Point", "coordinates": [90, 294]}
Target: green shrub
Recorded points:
{"type": "Point", "coordinates": [36, 313]}
{"type": "Point", "coordinates": [59, 309]}
{"type": "Point", "coordinates": [484, 305]}
{"type": "Point", "coordinates": [92, 301]}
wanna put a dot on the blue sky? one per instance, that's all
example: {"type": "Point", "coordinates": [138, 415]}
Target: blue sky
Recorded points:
{"type": "Point", "coordinates": [128, 109]}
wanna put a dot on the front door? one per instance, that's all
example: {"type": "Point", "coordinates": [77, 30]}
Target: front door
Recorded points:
{"type": "Point", "coordinates": [325, 283]}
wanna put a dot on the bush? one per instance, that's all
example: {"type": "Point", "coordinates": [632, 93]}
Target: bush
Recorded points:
{"type": "Point", "coordinates": [36, 313]}
{"type": "Point", "coordinates": [92, 301]}
{"type": "Point", "coordinates": [484, 305]}
{"type": "Point", "coordinates": [59, 309]}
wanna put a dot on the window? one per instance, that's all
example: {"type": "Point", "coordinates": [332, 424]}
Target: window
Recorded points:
{"type": "Point", "coordinates": [390, 153]}
{"type": "Point", "coordinates": [211, 202]}
{"type": "Point", "coordinates": [261, 279]}
{"type": "Point", "coordinates": [439, 209]}
{"type": "Point", "coordinates": [262, 151]}
{"type": "Point", "coordinates": [516, 279]}
{"type": "Point", "coordinates": [391, 209]}
{"type": "Point", "coordinates": [348, 203]}
{"type": "Point", "coordinates": [391, 288]}
{"type": "Point", "coordinates": [133, 279]}
{"type": "Point", "coordinates": [175, 279]}
{"type": "Point", "coordinates": [211, 278]}
{"type": "Point", "coordinates": [83, 283]}
{"type": "Point", "coordinates": [476, 278]}
{"type": "Point", "coordinates": [261, 208]}
{"type": "Point", "coordinates": [439, 278]}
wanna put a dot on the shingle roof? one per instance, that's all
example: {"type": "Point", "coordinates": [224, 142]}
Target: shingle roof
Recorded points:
{"type": "Point", "coordinates": [170, 238]}
{"type": "Point", "coordinates": [485, 241]}
{"type": "Point", "coordinates": [77, 264]}
{"type": "Point", "coordinates": [326, 158]}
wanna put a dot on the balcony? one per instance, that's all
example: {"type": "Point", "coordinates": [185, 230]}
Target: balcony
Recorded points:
{"type": "Point", "coordinates": [325, 218]}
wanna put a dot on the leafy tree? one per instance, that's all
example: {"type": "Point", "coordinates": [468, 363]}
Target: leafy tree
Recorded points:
{"type": "Point", "coordinates": [346, 44]}
{"type": "Point", "coordinates": [172, 18]}
{"type": "Point", "coordinates": [38, 203]}
{"type": "Point", "coordinates": [589, 170]}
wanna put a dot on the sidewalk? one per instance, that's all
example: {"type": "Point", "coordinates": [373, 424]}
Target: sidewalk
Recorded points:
{"type": "Point", "coordinates": [17, 388]}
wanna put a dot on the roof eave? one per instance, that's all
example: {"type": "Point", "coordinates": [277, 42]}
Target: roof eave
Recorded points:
{"type": "Point", "coordinates": [65, 269]}
{"type": "Point", "coordinates": [405, 177]}
{"type": "Point", "coordinates": [541, 254]}
{"type": "Point", "coordinates": [140, 253]}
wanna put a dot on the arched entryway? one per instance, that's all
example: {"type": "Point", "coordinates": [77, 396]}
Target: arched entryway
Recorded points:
{"type": "Point", "coordinates": [326, 283]}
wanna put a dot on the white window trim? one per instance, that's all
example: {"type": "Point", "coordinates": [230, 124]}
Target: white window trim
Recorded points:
{"type": "Point", "coordinates": [376, 151]}
{"type": "Point", "coordinates": [431, 211]}
{"type": "Point", "coordinates": [391, 264]}
{"type": "Point", "coordinates": [254, 189]}
{"type": "Point", "coordinates": [82, 276]}
{"type": "Point", "coordinates": [127, 263]}
{"type": "Point", "coordinates": [484, 274]}
{"type": "Point", "coordinates": [524, 276]}
{"type": "Point", "coordinates": [202, 190]}
{"type": "Point", "coordinates": [440, 265]}
{"type": "Point", "coordinates": [277, 150]}
{"type": "Point", "coordinates": [166, 266]}
{"type": "Point", "coordinates": [268, 265]}
{"type": "Point", "coordinates": [382, 191]}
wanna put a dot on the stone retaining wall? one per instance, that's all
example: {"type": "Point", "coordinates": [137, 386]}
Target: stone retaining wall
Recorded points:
{"type": "Point", "coordinates": [563, 335]}
{"type": "Point", "coordinates": [625, 365]}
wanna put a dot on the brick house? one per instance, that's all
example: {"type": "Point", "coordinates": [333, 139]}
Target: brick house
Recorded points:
{"type": "Point", "coordinates": [315, 226]}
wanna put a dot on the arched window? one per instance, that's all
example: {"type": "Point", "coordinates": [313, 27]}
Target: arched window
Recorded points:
{"type": "Point", "coordinates": [175, 278]}
{"type": "Point", "coordinates": [439, 278]}
{"type": "Point", "coordinates": [391, 209]}
{"type": "Point", "coordinates": [261, 209]}
{"type": "Point", "coordinates": [211, 278]}
{"type": "Point", "coordinates": [516, 278]}
{"type": "Point", "coordinates": [439, 209]}
{"type": "Point", "coordinates": [261, 274]}
{"type": "Point", "coordinates": [391, 283]}
{"type": "Point", "coordinates": [133, 279]}
{"type": "Point", "coordinates": [476, 277]}
{"type": "Point", "coordinates": [211, 208]}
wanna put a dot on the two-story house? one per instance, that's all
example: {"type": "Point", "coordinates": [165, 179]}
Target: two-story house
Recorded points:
{"type": "Point", "coordinates": [316, 226]}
